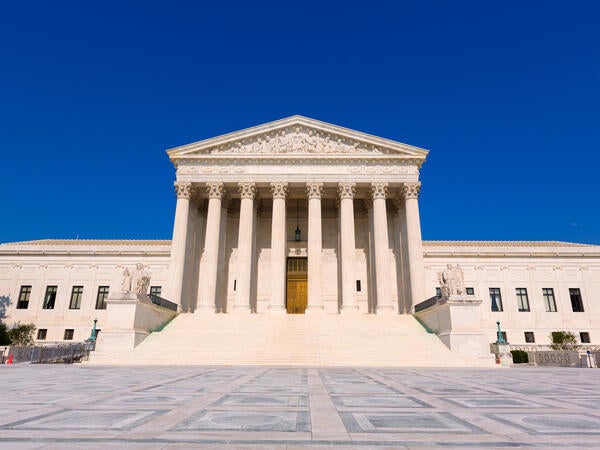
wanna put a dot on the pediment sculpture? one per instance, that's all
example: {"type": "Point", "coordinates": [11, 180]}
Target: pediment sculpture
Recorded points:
{"type": "Point", "coordinates": [297, 140]}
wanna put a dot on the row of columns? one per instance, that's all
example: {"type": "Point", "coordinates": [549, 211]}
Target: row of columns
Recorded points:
{"type": "Point", "coordinates": [314, 190]}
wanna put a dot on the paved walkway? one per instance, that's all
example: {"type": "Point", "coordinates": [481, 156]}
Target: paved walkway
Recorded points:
{"type": "Point", "coordinates": [62, 406]}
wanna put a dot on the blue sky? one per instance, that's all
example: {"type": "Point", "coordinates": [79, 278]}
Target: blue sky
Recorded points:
{"type": "Point", "coordinates": [506, 96]}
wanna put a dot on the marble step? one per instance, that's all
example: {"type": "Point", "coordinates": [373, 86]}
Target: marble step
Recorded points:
{"type": "Point", "coordinates": [290, 340]}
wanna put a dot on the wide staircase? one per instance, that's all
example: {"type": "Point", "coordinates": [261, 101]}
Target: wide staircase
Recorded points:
{"type": "Point", "coordinates": [291, 340]}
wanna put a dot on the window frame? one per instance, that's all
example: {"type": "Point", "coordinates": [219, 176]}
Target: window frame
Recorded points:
{"type": "Point", "coordinates": [548, 294]}
{"type": "Point", "coordinates": [156, 290]}
{"type": "Point", "coordinates": [496, 299]}
{"type": "Point", "coordinates": [47, 304]}
{"type": "Point", "coordinates": [576, 300]}
{"type": "Point", "coordinates": [102, 296]}
{"type": "Point", "coordinates": [587, 339]}
{"type": "Point", "coordinates": [42, 334]}
{"type": "Point", "coordinates": [529, 334]}
{"type": "Point", "coordinates": [76, 296]}
{"type": "Point", "coordinates": [24, 296]}
{"type": "Point", "coordinates": [69, 334]}
{"type": "Point", "coordinates": [522, 300]}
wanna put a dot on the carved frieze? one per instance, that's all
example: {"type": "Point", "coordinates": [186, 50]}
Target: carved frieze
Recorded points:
{"type": "Point", "coordinates": [298, 140]}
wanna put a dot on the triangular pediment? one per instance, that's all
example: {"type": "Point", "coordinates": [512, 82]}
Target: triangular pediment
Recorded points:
{"type": "Point", "coordinates": [296, 135]}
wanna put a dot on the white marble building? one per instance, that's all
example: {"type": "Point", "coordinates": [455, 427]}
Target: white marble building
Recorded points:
{"type": "Point", "coordinates": [301, 216]}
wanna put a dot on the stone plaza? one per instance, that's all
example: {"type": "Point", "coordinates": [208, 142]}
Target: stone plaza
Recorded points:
{"type": "Point", "coordinates": [73, 406]}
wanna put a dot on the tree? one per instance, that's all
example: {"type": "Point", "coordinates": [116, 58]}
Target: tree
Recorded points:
{"type": "Point", "coordinates": [4, 337]}
{"type": "Point", "coordinates": [22, 334]}
{"type": "Point", "coordinates": [563, 340]}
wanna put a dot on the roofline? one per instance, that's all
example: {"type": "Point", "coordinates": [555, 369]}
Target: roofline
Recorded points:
{"type": "Point", "coordinates": [181, 151]}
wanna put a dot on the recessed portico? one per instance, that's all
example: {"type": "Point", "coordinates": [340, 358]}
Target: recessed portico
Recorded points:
{"type": "Point", "coordinates": [244, 197]}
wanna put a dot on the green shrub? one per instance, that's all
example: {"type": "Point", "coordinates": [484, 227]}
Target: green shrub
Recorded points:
{"type": "Point", "coordinates": [520, 356]}
{"type": "Point", "coordinates": [4, 337]}
{"type": "Point", "coordinates": [563, 340]}
{"type": "Point", "coordinates": [22, 334]}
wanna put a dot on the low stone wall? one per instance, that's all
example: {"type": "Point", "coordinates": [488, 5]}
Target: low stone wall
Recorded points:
{"type": "Point", "coordinates": [555, 358]}
{"type": "Point", "coordinates": [131, 320]}
{"type": "Point", "coordinates": [456, 321]}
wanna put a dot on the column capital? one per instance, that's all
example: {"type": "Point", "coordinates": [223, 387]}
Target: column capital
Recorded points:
{"type": "Point", "coordinates": [346, 190]}
{"type": "Point", "coordinates": [279, 190]}
{"type": "Point", "coordinates": [247, 190]}
{"type": "Point", "coordinates": [314, 190]}
{"type": "Point", "coordinates": [215, 190]}
{"type": "Point", "coordinates": [183, 189]}
{"type": "Point", "coordinates": [379, 190]}
{"type": "Point", "coordinates": [411, 190]}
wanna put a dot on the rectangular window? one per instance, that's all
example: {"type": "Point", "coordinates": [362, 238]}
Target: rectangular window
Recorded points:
{"type": "Point", "coordinates": [50, 297]}
{"type": "Point", "coordinates": [155, 290]}
{"type": "Point", "coordinates": [24, 295]}
{"type": "Point", "coordinates": [496, 300]}
{"type": "Point", "coordinates": [358, 286]}
{"type": "Point", "coordinates": [576, 301]}
{"type": "Point", "coordinates": [41, 334]}
{"type": "Point", "coordinates": [549, 300]}
{"type": "Point", "coordinates": [76, 295]}
{"type": "Point", "coordinates": [101, 297]}
{"type": "Point", "coordinates": [584, 337]}
{"type": "Point", "coordinates": [522, 300]}
{"type": "Point", "coordinates": [69, 334]}
{"type": "Point", "coordinates": [438, 292]}
{"type": "Point", "coordinates": [529, 337]}
{"type": "Point", "coordinates": [470, 291]}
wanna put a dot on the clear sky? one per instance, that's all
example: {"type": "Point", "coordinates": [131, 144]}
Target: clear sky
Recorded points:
{"type": "Point", "coordinates": [506, 95]}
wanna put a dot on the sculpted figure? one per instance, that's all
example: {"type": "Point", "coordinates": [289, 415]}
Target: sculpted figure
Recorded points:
{"type": "Point", "coordinates": [126, 281]}
{"type": "Point", "coordinates": [452, 281]}
{"type": "Point", "coordinates": [140, 280]}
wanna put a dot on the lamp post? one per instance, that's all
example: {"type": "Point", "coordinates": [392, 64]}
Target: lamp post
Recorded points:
{"type": "Point", "coordinates": [93, 335]}
{"type": "Point", "coordinates": [500, 339]}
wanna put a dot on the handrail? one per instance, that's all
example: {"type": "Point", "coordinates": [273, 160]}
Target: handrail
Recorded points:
{"type": "Point", "coordinates": [426, 304]}
{"type": "Point", "coordinates": [162, 302]}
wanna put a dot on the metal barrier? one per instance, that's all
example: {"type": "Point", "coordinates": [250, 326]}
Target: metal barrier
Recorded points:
{"type": "Point", "coordinates": [162, 302]}
{"type": "Point", "coordinates": [426, 304]}
{"type": "Point", "coordinates": [64, 353]}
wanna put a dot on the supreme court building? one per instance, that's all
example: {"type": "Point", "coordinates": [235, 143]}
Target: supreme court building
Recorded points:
{"type": "Point", "coordinates": [299, 216]}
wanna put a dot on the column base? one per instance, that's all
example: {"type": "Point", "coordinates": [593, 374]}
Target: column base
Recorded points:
{"type": "Point", "coordinates": [241, 309]}
{"type": "Point", "coordinates": [349, 310]}
{"type": "Point", "coordinates": [205, 309]}
{"type": "Point", "coordinates": [276, 309]}
{"type": "Point", "coordinates": [385, 310]}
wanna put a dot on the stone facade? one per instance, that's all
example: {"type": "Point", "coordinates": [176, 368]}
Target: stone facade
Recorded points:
{"type": "Point", "coordinates": [299, 188]}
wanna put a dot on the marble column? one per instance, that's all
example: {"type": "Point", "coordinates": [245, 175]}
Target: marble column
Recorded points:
{"type": "Point", "coordinates": [380, 240]}
{"type": "Point", "coordinates": [245, 245]}
{"type": "Point", "coordinates": [208, 286]}
{"type": "Point", "coordinates": [183, 190]}
{"type": "Point", "coordinates": [413, 243]}
{"type": "Point", "coordinates": [278, 246]}
{"type": "Point", "coordinates": [314, 191]}
{"type": "Point", "coordinates": [348, 250]}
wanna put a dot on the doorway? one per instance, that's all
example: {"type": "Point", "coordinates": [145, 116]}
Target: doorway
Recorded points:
{"type": "Point", "coordinates": [297, 285]}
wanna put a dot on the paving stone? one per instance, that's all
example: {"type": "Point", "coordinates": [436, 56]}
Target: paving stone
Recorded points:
{"type": "Point", "coordinates": [63, 407]}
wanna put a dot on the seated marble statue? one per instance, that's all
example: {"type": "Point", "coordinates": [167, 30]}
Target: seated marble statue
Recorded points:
{"type": "Point", "coordinates": [452, 281]}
